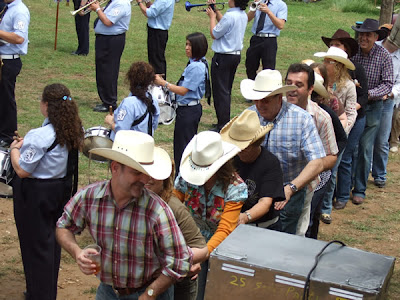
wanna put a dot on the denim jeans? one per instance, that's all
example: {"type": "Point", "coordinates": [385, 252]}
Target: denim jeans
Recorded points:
{"type": "Point", "coordinates": [326, 207]}
{"type": "Point", "coordinates": [365, 150]}
{"type": "Point", "coordinates": [106, 292]}
{"type": "Point", "coordinates": [381, 146]}
{"type": "Point", "coordinates": [202, 280]}
{"type": "Point", "coordinates": [290, 214]}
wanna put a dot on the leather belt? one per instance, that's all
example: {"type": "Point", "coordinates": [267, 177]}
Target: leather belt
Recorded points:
{"type": "Point", "coordinates": [266, 35]}
{"type": "Point", "coordinates": [128, 291]}
{"type": "Point", "coordinates": [231, 53]}
{"type": "Point", "coordinates": [9, 56]}
{"type": "Point", "coordinates": [191, 103]}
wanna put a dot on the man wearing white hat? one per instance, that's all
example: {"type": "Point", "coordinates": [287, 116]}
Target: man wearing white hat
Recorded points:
{"type": "Point", "coordinates": [294, 140]}
{"type": "Point", "coordinates": [143, 249]}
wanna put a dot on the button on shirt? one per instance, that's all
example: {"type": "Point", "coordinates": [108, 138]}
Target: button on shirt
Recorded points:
{"type": "Point", "coordinates": [194, 81]}
{"type": "Point", "coordinates": [36, 160]}
{"type": "Point", "coordinates": [131, 109]}
{"type": "Point", "coordinates": [294, 139]}
{"type": "Point", "coordinates": [16, 20]}
{"type": "Point", "coordinates": [379, 70]}
{"type": "Point", "coordinates": [136, 239]}
{"type": "Point", "coordinates": [160, 13]}
{"type": "Point", "coordinates": [279, 9]}
{"type": "Point", "coordinates": [119, 13]}
{"type": "Point", "coordinates": [229, 32]}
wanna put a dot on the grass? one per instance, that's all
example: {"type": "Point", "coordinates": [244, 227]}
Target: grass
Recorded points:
{"type": "Point", "coordinates": [299, 40]}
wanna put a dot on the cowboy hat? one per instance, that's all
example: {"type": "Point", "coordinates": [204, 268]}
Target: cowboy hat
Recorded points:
{"type": "Point", "coordinates": [244, 130]}
{"type": "Point", "coordinates": [136, 150]}
{"type": "Point", "coordinates": [345, 38]}
{"type": "Point", "coordinates": [319, 87]}
{"type": "Point", "coordinates": [205, 154]}
{"type": "Point", "coordinates": [370, 25]}
{"type": "Point", "coordinates": [337, 54]}
{"type": "Point", "coordinates": [394, 36]}
{"type": "Point", "coordinates": [267, 83]}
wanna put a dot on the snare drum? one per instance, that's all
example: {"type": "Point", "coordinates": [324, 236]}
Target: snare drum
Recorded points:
{"type": "Point", "coordinates": [166, 102]}
{"type": "Point", "coordinates": [96, 137]}
{"type": "Point", "coordinates": [6, 173]}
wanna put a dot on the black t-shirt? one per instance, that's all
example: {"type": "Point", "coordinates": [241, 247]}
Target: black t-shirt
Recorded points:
{"type": "Point", "coordinates": [264, 178]}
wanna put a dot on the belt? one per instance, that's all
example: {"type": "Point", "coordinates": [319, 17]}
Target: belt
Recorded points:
{"type": "Point", "coordinates": [265, 224]}
{"type": "Point", "coordinates": [9, 56]}
{"type": "Point", "coordinates": [191, 103]}
{"type": "Point", "coordinates": [128, 291]}
{"type": "Point", "coordinates": [266, 35]}
{"type": "Point", "coordinates": [231, 53]}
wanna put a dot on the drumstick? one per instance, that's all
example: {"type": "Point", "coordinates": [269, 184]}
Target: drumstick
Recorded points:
{"type": "Point", "coordinates": [110, 110]}
{"type": "Point", "coordinates": [17, 136]}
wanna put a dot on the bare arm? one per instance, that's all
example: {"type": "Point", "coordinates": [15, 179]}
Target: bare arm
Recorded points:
{"type": "Point", "coordinates": [329, 162]}
{"type": "Point", "coordinates": [279, 23]}
{"type": "Point", "coordinates": [159, 286]}
{"type": "Point", "coordinates": [15, 154]}
{"type": "Point", "coordinates": [213, 20]}
{"type": "Point", "coordinates": [199, 254]}
{"type": "Point", "coordinates": [180, 90]}
{"type": "Point", "coordinates": [102, 16]}
{"type": "Point", "coordinates": [143, 7]}
{"type": "Point", "coordinates": [11, 37]}
{"type": "Point", "coordinates": [257, 211]}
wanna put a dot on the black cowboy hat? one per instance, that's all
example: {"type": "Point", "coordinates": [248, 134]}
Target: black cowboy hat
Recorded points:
{"type": "Point", "coordinates": [370, 25]}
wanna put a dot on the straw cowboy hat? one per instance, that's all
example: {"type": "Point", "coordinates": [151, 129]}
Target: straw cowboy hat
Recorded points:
{"type": "Point", "coordinates": [267, 83]}
{"type": "Point", "coordinates": [370, 25]}
{"type": "Point", "coordinates": [319, 87]}
{"type": "Point", "coordinates": [345, 38]}
{"type": "Point", "coordinates": [394, 36]}
{"type": "Point", "coordinates": [136, 150]}
{"type": "Point", "coordinates": [337, 54]}
{"type": "Point", "coordinates": [205, 154]}
{"type": "Point", "coordinates": [244, 130]}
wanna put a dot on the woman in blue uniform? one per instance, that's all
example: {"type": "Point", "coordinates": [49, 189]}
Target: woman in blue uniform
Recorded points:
{"type": "Point", "coordinates": [42, 162]}
{"type": "Point", "coordinates": [189, 90]}
{"type": "Point", "coordinates": [139, 111]}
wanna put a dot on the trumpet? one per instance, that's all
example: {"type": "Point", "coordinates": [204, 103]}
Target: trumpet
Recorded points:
{"type": "Point", "coordinates": [255, 5]}
{"type": "Point", "coordinates": [189, 6]}
{"type": "Point", "coordinates": [85, 8]}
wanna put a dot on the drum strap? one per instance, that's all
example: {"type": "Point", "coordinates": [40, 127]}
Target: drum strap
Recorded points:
{"type": "Point", "coordinates": [149, 123]}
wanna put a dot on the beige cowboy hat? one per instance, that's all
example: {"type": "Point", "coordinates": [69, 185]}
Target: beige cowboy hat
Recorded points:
{"type": "Point", "coordinates": [136, 150]}
{"type": "Point", "coordinates": [337, 54]}
{"type": "Point", "coordinates": [267, 83]}
{"type": "Point", "coordinates": [244, 130]}
{"type": "Point", "coordinates": [319, 87]}
{"type": "Point", "coordinates": [205, 154]}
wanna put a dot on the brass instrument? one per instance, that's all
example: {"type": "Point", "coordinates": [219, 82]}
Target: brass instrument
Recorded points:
{"type": "Point", "coordinates": [255, 5]}
{"type": "Point", "coordinates": [189, 6]}
{"type": "Point", "coordinates": [86, 8]}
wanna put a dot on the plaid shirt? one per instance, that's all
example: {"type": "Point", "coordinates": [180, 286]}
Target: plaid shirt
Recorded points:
{"type": "Point", "coordinates": [136, 240]}
{"type": "Point", "coordinates": [294, 139]}
{"type": "Point", "coordinates": [379, 70]}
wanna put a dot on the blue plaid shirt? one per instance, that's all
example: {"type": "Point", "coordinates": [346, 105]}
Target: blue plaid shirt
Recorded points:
{"type": "Point", "coordinates": [294, 139]}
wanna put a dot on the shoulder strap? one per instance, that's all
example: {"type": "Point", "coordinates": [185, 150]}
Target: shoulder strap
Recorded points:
{"type": "Point", "coordinates": [207, 93]}
{"type": "Point", "coordinates": [55, 143]}
{"type": "Point", "coordinates": [150, 122]}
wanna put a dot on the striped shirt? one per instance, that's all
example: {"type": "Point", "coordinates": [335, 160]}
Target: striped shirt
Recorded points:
{"type": "Point", "coordinates": [136, 240]}
{"type": "Point", "coordinates": [294, 139]}
{"type": "Point", "coordinates": [379, 70]}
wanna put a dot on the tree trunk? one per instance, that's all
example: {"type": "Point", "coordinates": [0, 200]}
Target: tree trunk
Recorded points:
{"type": "Point", "coordinates": [386, 12]}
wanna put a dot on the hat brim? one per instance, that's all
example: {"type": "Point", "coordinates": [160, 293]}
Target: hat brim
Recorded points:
{"type": "Point", "coordinates": [350, 41]}
{"type": "Point", "coordinates": [321, 90]}
{"type": "Point", "coordinates": [244, 143]}
{"type": "Point", "coordinates": [348, 64]}
{"type": "Point", "coordinates": [248, 92]}
{"type": "Point", "coordinates": [160, 169]}
{"type": "Point", "coordinates": [198, 175]}
{"type": "Point", "coordinates": [381, 33]}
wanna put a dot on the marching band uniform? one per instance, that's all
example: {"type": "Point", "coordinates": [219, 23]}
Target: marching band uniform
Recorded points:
{"type": "Point", "coordinates": [82, 30]}
{"type": "Point", "coordinates": [15, 20]}
{"type": "Point", "coordinates": [109, 45]}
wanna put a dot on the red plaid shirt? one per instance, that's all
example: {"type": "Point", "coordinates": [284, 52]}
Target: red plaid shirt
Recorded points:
{"type": "Point", "coordinates": [136, 240]}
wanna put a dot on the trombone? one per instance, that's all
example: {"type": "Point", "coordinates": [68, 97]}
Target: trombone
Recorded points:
{"type": "Point", "coordinates": [189, 6]}
{"type": "Point", "coordinates": [84, 8]}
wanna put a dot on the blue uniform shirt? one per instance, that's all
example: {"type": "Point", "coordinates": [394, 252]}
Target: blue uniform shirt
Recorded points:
{"type": "Point", "coordinates": [36, 160]}
{"type": "Point", "coordinates": [16, 20]}
{"type": "Point", "coordinates": [229, 32]}
{"type": "Point", "coordinates": [194, 81]}
{"type": "Point", "coordinates": [279, 9]}
{"type": "Point", "coordinates": [131, 109]}
{"type": "Point", "coordinates": [160, 14]}
{"type": "Point", "coordinates": [119, 13]}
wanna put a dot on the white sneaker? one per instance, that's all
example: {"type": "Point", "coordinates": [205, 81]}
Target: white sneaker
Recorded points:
{"type": "Point", "coordinates": [394, 149]}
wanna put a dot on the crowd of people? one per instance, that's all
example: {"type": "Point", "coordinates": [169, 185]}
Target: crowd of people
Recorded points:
{"type": "Point", "coordinates": [278, 165]}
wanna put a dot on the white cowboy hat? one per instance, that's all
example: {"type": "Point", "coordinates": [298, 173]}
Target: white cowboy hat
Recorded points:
{"type": "Point", "coordinates": [244, 130]}
{"type": "Point", "coordinates": [337, 54]}
{"type": "Point", "coordinates": [267, 83]}
{"type": "Point", "coordinates": [205, 154]}
{"type": "Point", "coordinates": [136, 150]}
{"type": "Point", "coordinates": [319, 87]}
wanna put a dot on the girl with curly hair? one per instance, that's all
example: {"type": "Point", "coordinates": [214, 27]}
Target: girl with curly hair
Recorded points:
{"type": "Point", "coordinates": [139, 111]}
{"type": "Point", "coordinates": [42, 161]}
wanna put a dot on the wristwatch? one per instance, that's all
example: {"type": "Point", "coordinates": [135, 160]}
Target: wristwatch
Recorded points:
{"type": "Point", "coordinates": [150, 292]}
{"type": "Point", "coordinates": [248, 215]}
{"type": "Point", "coordinates": [293, 187]}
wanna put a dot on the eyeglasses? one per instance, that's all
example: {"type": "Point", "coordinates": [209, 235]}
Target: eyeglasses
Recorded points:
{"type": "Point", "coordinates": [331, 62]}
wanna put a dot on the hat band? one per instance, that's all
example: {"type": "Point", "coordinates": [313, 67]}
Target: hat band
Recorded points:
{"type": "Point", "coordinates": [195, 166]}
{"type": "Point", "coordinates": [262, 91]}
{"type": "Point", "coordinates": [146, 163]}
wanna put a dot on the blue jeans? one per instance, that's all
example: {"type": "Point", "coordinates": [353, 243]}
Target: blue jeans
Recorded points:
{"type": "Point", "coordinates": [345, 169]}
{"type": "Point", "coordinates": [381, 146]}
{"type": "Point", "coordinates": [202, 280]}
{"type": "Point", "coordinates": [106, 292]}
{"type": "Point", "coordinates": [290, 214]}
{"type": "Point", "coordinates": [365, 150]}
{"type": "Point", "coordinates": [326, 207]}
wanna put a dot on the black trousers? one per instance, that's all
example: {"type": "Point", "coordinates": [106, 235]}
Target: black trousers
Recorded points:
{"type": "Point", "coordinates": [82, 30]}
{"type": "Point", "coordinates": [263, 48]}
{"type": "Point", "coordinates": [223, 69]}
{"type": "Point", "coordinates": [156, 44]}
{"type": "Point", "coordinates": [109, 49]}
{"type": "Point", "coordinates": [8, 106]}
{"type": "Point", "coordinates": [37, 206]}
{"type": "Point", "coordinates": [186, 124]}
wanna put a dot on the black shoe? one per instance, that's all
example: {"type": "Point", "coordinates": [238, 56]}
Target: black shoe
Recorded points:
{"type": "Point", "coordinates": [78, 53]}
{"type": "Point", "coordinates": [215, 128]}
{"type": "Point", "coordinates": [4, 144]}
{"type": "Point", "coordinates": [379, 183]}
{"type": "Point", "coordinates": [101, 108]}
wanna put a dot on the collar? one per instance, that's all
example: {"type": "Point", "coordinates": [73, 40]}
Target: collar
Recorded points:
{"type": "Point", "coordinates": [14, 3]}
{"type": "Point", "coordinates": [233, 9]}
{"type": "Point", "coordinates": [45, 122]}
